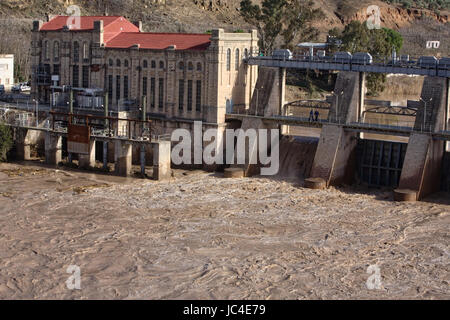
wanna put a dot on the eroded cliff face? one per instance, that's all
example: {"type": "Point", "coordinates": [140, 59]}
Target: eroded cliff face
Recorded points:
{"type": "Point", "coordinates": [395, 17]}
{"type": "Point", "coordinates": [193, 15]}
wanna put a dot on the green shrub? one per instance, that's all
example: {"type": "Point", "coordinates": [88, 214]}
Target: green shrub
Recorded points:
{"type": "Point", "coordinates": [6, 141]}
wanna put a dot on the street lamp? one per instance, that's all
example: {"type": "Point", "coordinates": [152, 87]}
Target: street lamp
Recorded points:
{"type": "Point", "coordinates": [337, 101]}
{"type": "Point", "coordinates": [425, 110]}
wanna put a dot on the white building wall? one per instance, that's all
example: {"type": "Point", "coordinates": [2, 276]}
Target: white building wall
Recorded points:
{"type": "Point", "coordinates": [7, 70]}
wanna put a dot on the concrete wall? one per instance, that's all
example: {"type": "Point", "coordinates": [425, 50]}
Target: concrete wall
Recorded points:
{"type": "Point", "coordinates": [445, 176]}
{"type": "Point", "coordinates": [268, 95]}
{"type": "Point", "coordinates": [349, 104]}
{"type": "Point", "coordinates": [334, 160]}
{"type": "Point", "coordinates": [422, 165]}
{"type": "Point", "coordinates": [435, 92]}
{"type": "Point", "coordinates": [7, 70]}
{"type": "Point", "coordinates": [423, 161]}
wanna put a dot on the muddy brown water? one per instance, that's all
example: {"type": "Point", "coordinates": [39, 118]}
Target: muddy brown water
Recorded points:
{"type": "Point", "coordinates": [202, 236]}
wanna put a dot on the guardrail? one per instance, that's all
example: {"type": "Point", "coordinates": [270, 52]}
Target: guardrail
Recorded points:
{"type": "Point", "coordinates": [328, 63]}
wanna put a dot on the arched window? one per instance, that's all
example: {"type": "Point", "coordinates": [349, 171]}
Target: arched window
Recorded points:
{"type": "Point", "coordinates": [161, 64]}
{"type": "Point", "coordinates": [199, 66]}
{"type": "Point", "coordinates": [76, 51]}
{"type": "Point", "coordinates": [46, 49]}
{"type": "Point", "coordinates": [190, 66]}
{"type": "Point", "coordinates": [145, 63]}
{"type": "Point", "coordinates": [125, 63]}
{"type": "Point", "coordinates": [181, 65]}
{"type": "Point", "coordinates": [85, 51]}
{"type": "Point", "coordinates": [154, 65]}
{"type": "Point", "coordinates": [228, 59]}
{"type": "Point", "coordinates": [118, 63]}
{"type": "Point", "coordinates": [111, 62]}
{"type": "Point", "coordinates": [237, 59]}
{"type": "Point", "coordinates": [56, 51]}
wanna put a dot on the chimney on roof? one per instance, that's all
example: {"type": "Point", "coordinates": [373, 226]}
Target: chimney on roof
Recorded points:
{"type": "Point", "coordinates": [98, 30]}
{"type": "Point", "coordinates": [98, 25]}
{"type": "Point", "coordinates": [37, 25]}
{"type": "Point", "coordinates": [216, 34]}
{"type": "Point", "coordinates": [138, 24]}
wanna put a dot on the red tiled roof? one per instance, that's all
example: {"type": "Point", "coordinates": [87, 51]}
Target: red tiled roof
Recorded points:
{"type": "Point", "coordinates": [112, 25]}
{"type": "Point", "coordinates": [146, 40]}
{"type": "Point", "coordinates": [118, 32]}
{"type": "Point", "coordinates": [86, 23]}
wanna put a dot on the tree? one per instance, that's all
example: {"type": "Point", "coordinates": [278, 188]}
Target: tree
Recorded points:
{"type": "Point", "coordinates": [356, 37]}
{"type": "Point", "coordinates": [299, 17]}
{"type": "Point", "coordinates": [5, 141]}
{"type": "Point", "coordinates": [290, 19]}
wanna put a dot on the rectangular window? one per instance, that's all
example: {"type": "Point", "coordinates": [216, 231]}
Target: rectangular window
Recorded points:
{"type": "Point", "coordinates": [117, 88]}
{"type": "Point", "coordinates": [85, 76]}
{"type": "Point", "coordinates": [161, 93]}
{"type": "Point", "coordinates": [76, 76]}
{"type": "Point", "coordinates": [125, 87]}
{"type": "Point", "coordinates": [110, 87]}
{"type": "Point", "coordinates": [189, 96]}
{"type": "Point", "coordinates": [180, 94]}
{"type": "Point", "coordinates": [56, 69]}
{"type": "Point", "coordinates": [144, 86]}
{"type": "Point", "coordinates": [198, 95]}
{"type": "Point", "coordinates": [152, 92]}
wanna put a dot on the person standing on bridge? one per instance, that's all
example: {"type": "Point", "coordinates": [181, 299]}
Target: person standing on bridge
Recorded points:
{"type": "Point", "coordinates": [316, 115]}
{"type": "Point", "coordinates": [311, 116]}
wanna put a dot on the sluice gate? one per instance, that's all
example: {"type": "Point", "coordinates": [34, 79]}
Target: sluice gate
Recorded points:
{"type": "Point", "coordinates": [380, 163]}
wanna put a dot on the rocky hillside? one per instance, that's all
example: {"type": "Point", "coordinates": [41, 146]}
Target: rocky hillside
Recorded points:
{"type": "Point", "coordinates": [202, 15]}
{"type": "Point", "coordinates": [417, 25]}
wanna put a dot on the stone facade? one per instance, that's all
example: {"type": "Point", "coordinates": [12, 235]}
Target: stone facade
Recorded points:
{"type": "Point", "coordinates": [180, 84]}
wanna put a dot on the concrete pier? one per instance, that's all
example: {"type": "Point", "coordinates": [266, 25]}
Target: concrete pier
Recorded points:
{"type": "Point", "coordinates": [105, 154]}
{"type": "Point", "coordinates": [23, 144]}
{"type": "Point", "coordinates": [122, 158]}
{"type": "Point", "coordinates": [422, 167]}
{"type": "Point", "coordinates": [86, 161]}
{"type": "Point", "coordinates": [142, 157]}
{"type": "Point", "coordinates": [161, 160]}
{"type": "Point", "coordinates": [53, 148]}
{"type": "Point", "coordinates": [333, 161]}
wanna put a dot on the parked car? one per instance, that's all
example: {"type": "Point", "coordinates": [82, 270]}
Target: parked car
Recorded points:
{"type": "Point", "coordinates": [2, 89]}
{"type": "Point", "coordinates": [21, 87]}
{"type": "Point", "coordinates": [282, 54]}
